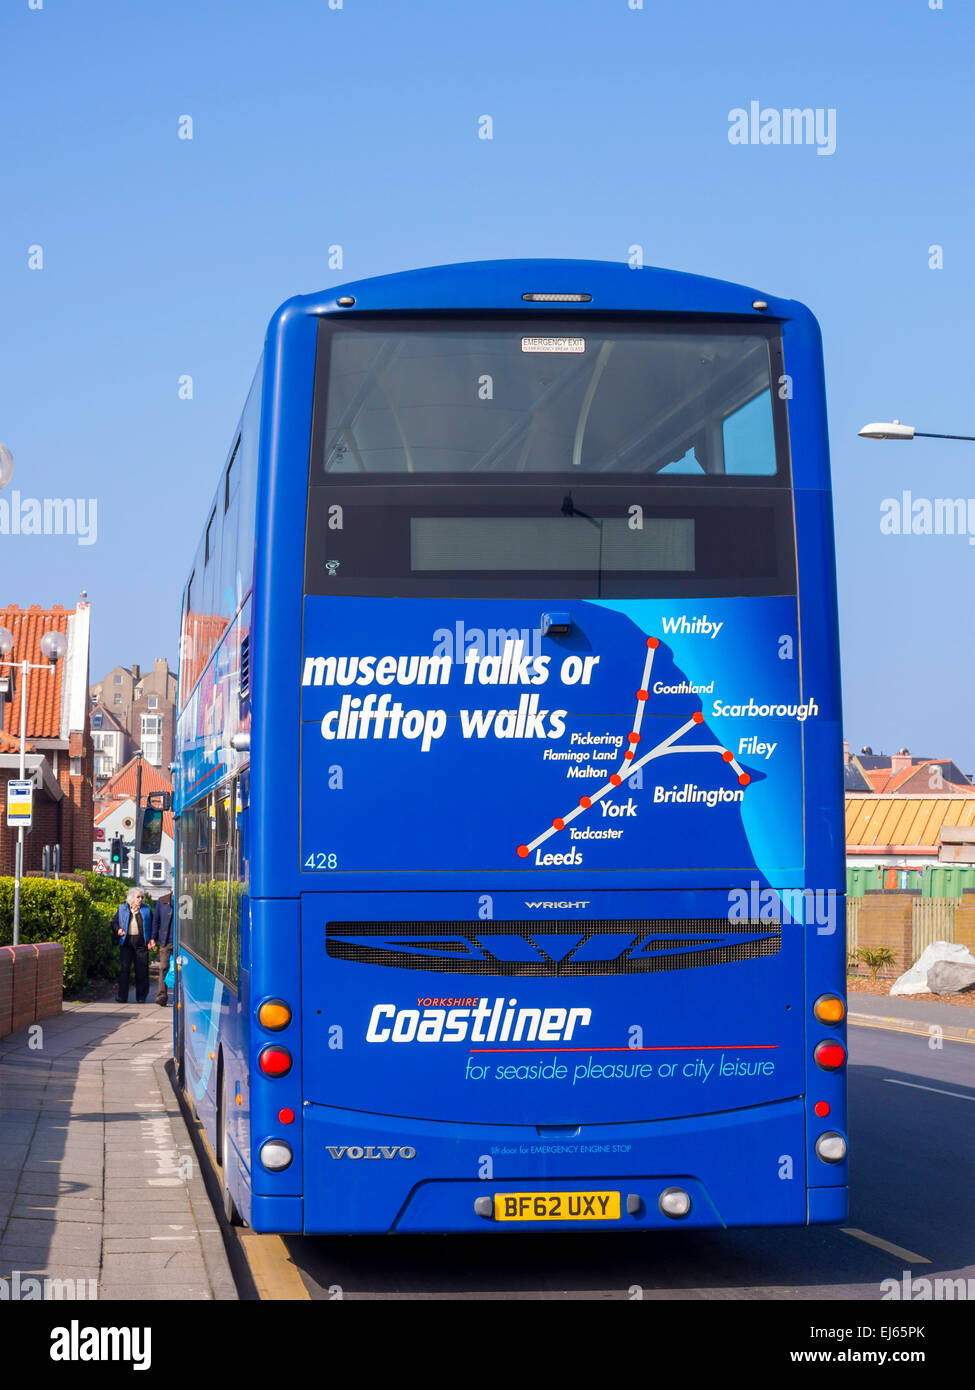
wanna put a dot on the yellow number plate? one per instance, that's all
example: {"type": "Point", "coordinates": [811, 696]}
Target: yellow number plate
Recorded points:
{"type": "Point", "coordinates": [556, 1206]}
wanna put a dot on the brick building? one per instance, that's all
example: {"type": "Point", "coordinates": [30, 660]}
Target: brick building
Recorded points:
{"type": "Point", "coordinates": [59, 754]}
{"type": "Point", "coordinates": [144, 703]}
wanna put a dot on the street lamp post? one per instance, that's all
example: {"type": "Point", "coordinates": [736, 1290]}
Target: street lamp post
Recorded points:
{"type": "Point", "coordinates": [138, 802]}
{"type": "Point", "coordinates": [893, 429]}
{"type": "Point", "coordinates": [53, 646]}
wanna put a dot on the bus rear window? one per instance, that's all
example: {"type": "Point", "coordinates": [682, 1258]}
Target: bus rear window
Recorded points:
{"type": "Point", "coordinates": [588, 396]}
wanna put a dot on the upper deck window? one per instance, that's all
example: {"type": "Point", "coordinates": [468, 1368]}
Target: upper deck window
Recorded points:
{"type": "Point", "coordinates": [548, 396]}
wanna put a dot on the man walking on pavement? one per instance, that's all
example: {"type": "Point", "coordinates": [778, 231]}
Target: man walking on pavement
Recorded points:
{"type": "Point", "coordinates": [162, 930]}
{"type": "Point", "coordinates": [133, 930]}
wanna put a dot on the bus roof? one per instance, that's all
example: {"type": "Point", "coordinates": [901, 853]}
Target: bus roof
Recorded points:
{"type": "Point", "coordinates": [492, 285]}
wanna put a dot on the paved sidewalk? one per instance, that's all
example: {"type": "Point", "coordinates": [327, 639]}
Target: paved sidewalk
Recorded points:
{"type": "Point", "coordinates": [98, 1177]}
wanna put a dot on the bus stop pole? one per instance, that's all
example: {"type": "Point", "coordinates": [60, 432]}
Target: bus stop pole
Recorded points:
{"type": "Point", "coordinates": [19, 861]}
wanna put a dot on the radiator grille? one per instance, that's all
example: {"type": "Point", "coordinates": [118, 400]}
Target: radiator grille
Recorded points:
{"type": "Point", "coordinates": [619, 946]}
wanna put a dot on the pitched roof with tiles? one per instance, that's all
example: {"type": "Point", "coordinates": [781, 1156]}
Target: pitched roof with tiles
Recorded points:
{"type": "Point", "coordinates": [123, 783]}
{"type": "Point", "coordinates": [28, 626]}
{"type": "Point", "coordinates": [104, 716]}
{"type": "Point", "coordinates": [921, 779]}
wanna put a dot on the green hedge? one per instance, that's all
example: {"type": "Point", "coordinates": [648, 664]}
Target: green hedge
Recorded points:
{"type": "Point", "coordinates": [103, 888]}
{"type": "Point", "coordinates": [52, 910]}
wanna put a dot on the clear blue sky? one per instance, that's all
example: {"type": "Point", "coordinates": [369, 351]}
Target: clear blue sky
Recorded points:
{"type": "Point", "coordinates": [358, 126]}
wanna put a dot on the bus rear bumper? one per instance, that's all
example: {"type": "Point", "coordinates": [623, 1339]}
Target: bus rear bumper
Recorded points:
{"type": "Point", "coordinates": [371, 1173]}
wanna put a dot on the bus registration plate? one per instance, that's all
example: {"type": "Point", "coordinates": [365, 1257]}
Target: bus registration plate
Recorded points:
{"type": "Point", "coordinates": [556, 1206]}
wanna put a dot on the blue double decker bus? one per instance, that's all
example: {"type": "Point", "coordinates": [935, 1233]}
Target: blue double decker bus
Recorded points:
{"type": "Point", "coordinates": [509, 763]}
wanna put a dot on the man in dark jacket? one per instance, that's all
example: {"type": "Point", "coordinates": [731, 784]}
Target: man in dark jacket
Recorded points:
{"type": "Point", "coordinates": [162, 931]}
{"type": "Point", "coordinates": [133, 931]}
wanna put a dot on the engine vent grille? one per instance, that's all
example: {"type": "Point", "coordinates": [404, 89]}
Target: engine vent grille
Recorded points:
{"type": "Point", "coordinates": [627, 946]}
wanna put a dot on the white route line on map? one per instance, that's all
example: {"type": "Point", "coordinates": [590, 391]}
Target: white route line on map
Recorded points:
{"type": "Point", "coordinates": [631, 762]}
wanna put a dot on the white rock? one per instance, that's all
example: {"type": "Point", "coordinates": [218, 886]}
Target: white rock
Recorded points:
{"type": "Point", "coordinates": [915, 980]}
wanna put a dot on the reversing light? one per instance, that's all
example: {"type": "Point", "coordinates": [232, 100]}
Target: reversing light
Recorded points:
{"type": "Point", "coordinates": [274, 1061]}
{"type": "Point", "coordinates": [674, 1202]}
{"type": "Point", "coordinates": [275, 1155]}
{"type": "Point", "coordinates": [557, 298]}
{"type": "Point", "coordinates": [274, 1014]}
{"type": "Point", "coordinates": [829, 1008]}
{"type": "Point", "coordinates": [831, 1147]}
{"type": "Point", "coordinates": [830, 1055]}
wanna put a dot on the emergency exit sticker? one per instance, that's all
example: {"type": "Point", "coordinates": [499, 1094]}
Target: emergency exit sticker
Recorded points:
{"type": "Point", "coordinates": [553, 344]}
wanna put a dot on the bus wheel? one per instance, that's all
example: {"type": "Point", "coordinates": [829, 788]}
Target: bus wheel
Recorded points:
{"type": "Point", "coordinates": [229, 1205]}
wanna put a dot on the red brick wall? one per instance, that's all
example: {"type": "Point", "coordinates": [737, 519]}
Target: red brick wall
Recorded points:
{"type": "Point", "coordinates": [25, 986]}
{"type": "Point", "coordinates": [6, 990]}
{"type": "Point", "coordinates": [887, 919]}
{"type": "Point", "coordinates": [30, 984]}
{"type": "Point", "coordinates": [50, 978]}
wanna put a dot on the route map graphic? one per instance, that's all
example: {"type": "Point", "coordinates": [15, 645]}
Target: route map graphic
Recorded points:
{"type": "Point", "coordinates": [631, 762]}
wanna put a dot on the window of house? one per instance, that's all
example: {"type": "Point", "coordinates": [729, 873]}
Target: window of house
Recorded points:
{"type": "Point", "coordinates": [156, 870]}
{"type": "Point", "coordinates": [118, 699]}
{"type": "Point", "coordinates": [118, 680]}
{"type": "Point", "coordinates": [151, 740]}
{"type": "Point", "coordinates": [153, 701]}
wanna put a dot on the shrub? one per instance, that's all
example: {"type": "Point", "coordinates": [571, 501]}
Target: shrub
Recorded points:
{"type": "Point", "coordinates": [102, 888]}
{"type": "Point", "coordinates": [875, 959]}
{"type": "Point", "coordinates": [50, 910]}
{"type": "Point", "coordinates": [67, 912]}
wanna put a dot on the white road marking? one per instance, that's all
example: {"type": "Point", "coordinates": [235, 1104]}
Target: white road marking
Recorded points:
{"type": "Point", "coordinates": [891, 1081]}
{"type": "Point", "coordinates": [907, 1255]}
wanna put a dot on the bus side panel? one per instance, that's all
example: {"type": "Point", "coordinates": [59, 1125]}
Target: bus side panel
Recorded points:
{"type": "Point", "coordinates": [275, 974]}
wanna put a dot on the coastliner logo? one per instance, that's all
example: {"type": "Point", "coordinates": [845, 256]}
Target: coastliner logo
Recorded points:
{"type": "Point", "coordinates": [395, 1151]}
{"type": "Point", "coordinates": [491, 1020]}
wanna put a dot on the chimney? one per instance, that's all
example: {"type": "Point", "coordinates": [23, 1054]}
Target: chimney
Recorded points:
{"type": "Point", "coordinates": [135, 673]}
{"type": "Point", "coordinates": [899, 761]}
{"type": "Point", "coordinates": [846, 752]}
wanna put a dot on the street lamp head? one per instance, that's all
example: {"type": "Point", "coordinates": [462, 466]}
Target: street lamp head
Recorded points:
{"type": "Point", "coordinates": [54, 645]}
{"type": "Point", "coordinates": [887, 430]}
{"type": "Point", "coordinates": [6, 641]}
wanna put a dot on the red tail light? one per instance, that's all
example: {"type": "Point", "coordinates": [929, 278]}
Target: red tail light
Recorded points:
{"type": "Point", "coordinates": [274, 1061]}
{"type": "Point", "coordinates": [830, 1055]}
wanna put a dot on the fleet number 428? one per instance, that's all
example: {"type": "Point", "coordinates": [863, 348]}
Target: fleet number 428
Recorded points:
{"type": "Point", "coordinates": [322, 861]}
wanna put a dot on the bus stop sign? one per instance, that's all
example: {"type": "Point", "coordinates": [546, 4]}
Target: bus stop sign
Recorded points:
{"type": "Point", "coordinates": [20, 802]}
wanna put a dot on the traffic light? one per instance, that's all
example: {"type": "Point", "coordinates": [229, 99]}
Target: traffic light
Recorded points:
{"type": "Point", "coordinates": [116, 849]}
